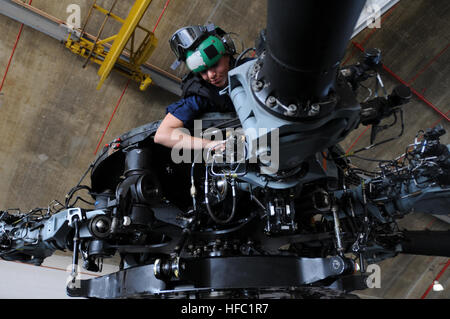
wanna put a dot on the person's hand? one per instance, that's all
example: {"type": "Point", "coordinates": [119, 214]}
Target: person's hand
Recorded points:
{"type": "Point", "coordinates": [216, 146]}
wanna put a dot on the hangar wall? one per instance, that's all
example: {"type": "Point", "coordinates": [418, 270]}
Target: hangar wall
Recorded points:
{"type": "Point", "coordinates": [53, 117]}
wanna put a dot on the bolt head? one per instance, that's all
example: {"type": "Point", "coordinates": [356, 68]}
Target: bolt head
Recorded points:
{"type": "Point", "coordinates": [314, 110]}
{"type": "Point", "coordinates": [101, 226]}
{"type": "Point", "coordinates": [271, 101]}
{"type": "Point", "coordinates": [258, 86]}
{"type": "Point", "coordinates": [292, 108]}
{"type": "Point", "coordinates": [126, 221]}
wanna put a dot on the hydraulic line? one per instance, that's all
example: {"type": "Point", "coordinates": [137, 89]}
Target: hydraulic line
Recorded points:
{"type": "Point", "coordinates": [208, 207]}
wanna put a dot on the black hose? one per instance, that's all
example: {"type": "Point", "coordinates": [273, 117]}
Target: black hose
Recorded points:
{"type": "Point", "coordinates": [73, 191]}
{"type": "Point", "coordinates": [241, 55]}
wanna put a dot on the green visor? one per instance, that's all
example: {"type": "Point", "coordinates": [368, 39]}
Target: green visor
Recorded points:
{"type": "Point", "coordinates": [207, 54]}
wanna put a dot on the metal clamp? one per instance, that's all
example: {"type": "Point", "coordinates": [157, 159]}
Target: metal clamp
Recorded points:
{"type": "Point", "coordinates": [75, 212]}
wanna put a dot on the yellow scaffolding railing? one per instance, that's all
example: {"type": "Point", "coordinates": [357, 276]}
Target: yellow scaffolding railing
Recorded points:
{"type": "Point", "coordinates": [111, 57]}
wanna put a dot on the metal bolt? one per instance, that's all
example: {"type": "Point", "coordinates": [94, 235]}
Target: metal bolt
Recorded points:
{"type": "Point", "coordinates": [292, 109]}
{"type": "Point", "coordinates": [271, 101]}
{"type": "Point", "coordinates": [336, 264]}
{"type": "Point", "coordinates": [258, 86]}
{"type": "Point", "coordinates": [101, 226]}
{"type": "Point", "coordinates": [126, 221]}
{"type": "Point", "coordinates": [314, 110]}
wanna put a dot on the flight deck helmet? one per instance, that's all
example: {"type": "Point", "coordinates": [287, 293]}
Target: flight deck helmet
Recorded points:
{"type": "Point", "coordinates": [201, 47]}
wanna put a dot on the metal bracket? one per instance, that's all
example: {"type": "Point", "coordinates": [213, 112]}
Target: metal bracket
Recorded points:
{"type": "Point", "coordinates": [193, 275]}
{"type": "Point", "coordinates": [75, 212]}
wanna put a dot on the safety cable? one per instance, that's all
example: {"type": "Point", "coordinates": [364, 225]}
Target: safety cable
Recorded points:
{"type": "Point", "coordinates": [241, 55]}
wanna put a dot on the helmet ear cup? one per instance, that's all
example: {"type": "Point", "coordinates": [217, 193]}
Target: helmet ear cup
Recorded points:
{"type": "Point", "coordinates": [229, 44]}
{"type": "Point", "coordinates": [226, 40]}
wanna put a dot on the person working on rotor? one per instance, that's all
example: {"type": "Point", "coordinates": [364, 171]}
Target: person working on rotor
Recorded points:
{"type": "Point", "coordinates": [208, 53]}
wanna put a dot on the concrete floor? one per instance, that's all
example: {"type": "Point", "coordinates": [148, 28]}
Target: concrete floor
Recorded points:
{"type": "Point", "coordinates": [48, 281]}
{"type": "Point", "coordinates": [53, 117]}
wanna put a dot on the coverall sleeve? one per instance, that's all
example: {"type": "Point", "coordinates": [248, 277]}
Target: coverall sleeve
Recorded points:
{"type": "Point", "coordinates": [188, 109]}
